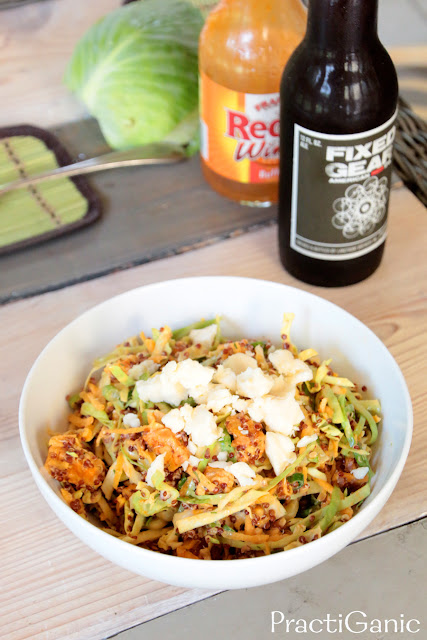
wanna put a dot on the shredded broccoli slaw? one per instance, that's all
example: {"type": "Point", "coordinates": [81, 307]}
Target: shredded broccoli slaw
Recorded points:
{"type": "Point", "coordinates": [193, 445]}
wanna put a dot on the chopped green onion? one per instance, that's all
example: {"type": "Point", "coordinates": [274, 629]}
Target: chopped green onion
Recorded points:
{"type": "Point", "coordinates": [296, 478]}
{"type": "Point", "coordinates": [182, 481]}
{"type": "Point", "coordinates": [225, 443]}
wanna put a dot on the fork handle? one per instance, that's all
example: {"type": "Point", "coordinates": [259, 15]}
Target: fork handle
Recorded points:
{"type": "Point", "coordinates": [156, 153]}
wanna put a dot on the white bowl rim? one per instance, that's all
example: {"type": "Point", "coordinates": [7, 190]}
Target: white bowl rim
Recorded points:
{"type": "Point", "coordinates": [368, 513]}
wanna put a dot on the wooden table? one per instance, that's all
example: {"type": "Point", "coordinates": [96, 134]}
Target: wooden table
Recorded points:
{"type": "Point", "coordinates": [51, 586]}
{"type": "Point", "coordinates": [55, 588]}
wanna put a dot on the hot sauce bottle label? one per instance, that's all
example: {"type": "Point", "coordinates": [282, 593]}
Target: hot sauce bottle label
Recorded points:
{"type": "Point", "coordinates": [340, 191]}
{"type": "Point", "coordinates": [239, 133]}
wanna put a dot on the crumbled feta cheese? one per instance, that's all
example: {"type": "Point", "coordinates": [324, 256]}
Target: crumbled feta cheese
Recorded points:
{"type": "Point", "coordinates": [157, 465]}
{"type": "Point", "coordinates": [131, 420]}
{"type": "Point", "coordinates": [186, 411]}
{"type": "Point", "coordinates": [226, 377]}
{"type": "Point", "coordinates": [163, 387]}
{"type": "Point", "coordinates": [176, 382]}
{"type": "Point", "coordinates": [202, 427]}
{"type": "Point", "coordinates": [284, 362]}
{"type": "Point", "coordinates": [222, 456]}
{"type": "Point", "coordinates": [239, 362]}
{"type": "Point", "coordinates": [239, 404]}
{"type": "Point", "coordinates": [192, 374]}
{"type": "Point", "coordinates": [218, 397]}
{"type": "Point", "coordinates": [193, 461]}
{"type": "Point", "coordinates": [192, 447]}
{"type": "Point", "coordinates": [306, 440]}
{"type": "Point", "coordinates": [253, 383]}
{"type": "Point", "coordinates": [240, 470]}
{"type": "Point", "coordinates": [220, 464]}
{"type": "Point", "coordinates": [138, 370]}
{"type": "Point", "coordinates": [198, 422]}
{"type": "Point", "coordinates": [302, 375]}
{"type": "Point", "coordinates": [282, 386]}
{"type": "Point", "coordinates": [205, 336]}
{"type": "Point", "coordinates": [280, 451]}
{"type": "Point", "coordinates": [279, 414]}
{"type": "Point", "coordinates": [360, 472]}
{"type": "Point", "coordinates": [174, 420]}
{"type": "Point", "coordinates": [200, 394]}
{"type": "Point", "coordinates": [243, 473]}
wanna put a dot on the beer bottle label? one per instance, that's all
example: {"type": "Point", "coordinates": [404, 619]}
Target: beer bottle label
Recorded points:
{"type": "Point", "coordinates": [340, 191]}
{"type": "Point", "coordinates": [239, 133]}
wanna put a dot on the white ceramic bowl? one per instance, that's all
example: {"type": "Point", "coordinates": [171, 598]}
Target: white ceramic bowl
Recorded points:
{"type": "Point", "coordinates": [250, 308]}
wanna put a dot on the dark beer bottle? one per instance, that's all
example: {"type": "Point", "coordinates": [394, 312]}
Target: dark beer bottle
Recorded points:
{"type": "Point", "coordinates": [338, 107]}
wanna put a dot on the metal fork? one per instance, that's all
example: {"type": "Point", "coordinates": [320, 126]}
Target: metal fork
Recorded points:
{"type": "Point", "coordinates": [155, 153]}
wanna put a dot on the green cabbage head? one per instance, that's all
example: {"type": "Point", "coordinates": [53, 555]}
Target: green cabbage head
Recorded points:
{"type": "Point", "coordinates": [136, 71]}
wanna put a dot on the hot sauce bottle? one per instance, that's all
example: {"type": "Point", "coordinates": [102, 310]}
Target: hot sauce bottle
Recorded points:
{"type": "Point", "coordinates": [244, 46]}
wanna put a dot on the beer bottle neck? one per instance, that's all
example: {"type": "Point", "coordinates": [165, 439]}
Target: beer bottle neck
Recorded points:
{"type": "Point", "coordinates": [342, 24]}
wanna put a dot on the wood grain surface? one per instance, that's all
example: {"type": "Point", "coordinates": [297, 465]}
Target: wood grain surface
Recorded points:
{"type": "Point", "coordinates": [52, 586]}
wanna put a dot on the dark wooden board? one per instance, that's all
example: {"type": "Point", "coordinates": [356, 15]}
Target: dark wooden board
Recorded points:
{"type": "Point", "coordinates": [148, 213]}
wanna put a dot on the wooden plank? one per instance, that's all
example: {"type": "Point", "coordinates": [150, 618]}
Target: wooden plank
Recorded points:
{"type": "Point", "coordinates": [55, 588]}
